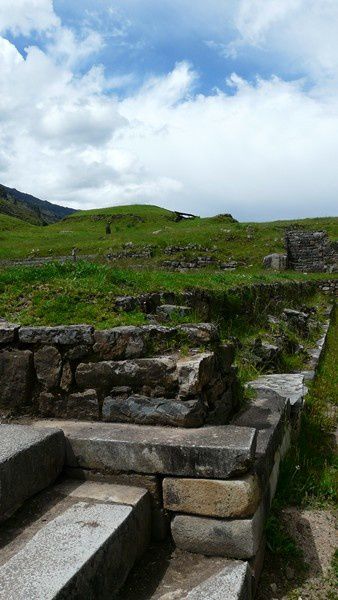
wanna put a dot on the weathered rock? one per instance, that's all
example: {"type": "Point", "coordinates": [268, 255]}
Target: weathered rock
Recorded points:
{"type": "Point", "coordinates": [289, 386]}
{"type": "Point", "coordinates": [120, 343]}
{"type": "Point", "coordinates": [275, 261]}
{"type": "Point", "coordinates": [194, 372]}
{"type": "Point", "coordinates": [69, 335]}
{"type": "Point", "coordinates": [201, 333]}
{"type": "Point", "coordinates": [83, 405]}
{"type": "Point", "coordinates": [16, 370]}
{"type": "Point", "coordinates": [265, 354]}
{"type": "Point", "coordinates": [78, 352]}
{"type": "Point", "coordinates": [139, 374]}
{"type": "Point", "coordinates": [8, 332]}
{"type": "Point", "coordinates": [297, 319]}
{"type": "Point", "coordinates": [30, 459]}
{"type": "Point", "coordinates": [221, 452]}
{"type": "Point", "coordinates": [309, 251]}
{"type": "Point", "coordinates": [153, 411]}
{"type": "Point", "coordinates": [52, 405]}
{"type": "Point", "coordinates": [238, 538]}
{"type": "Point", "coordinates": [47, 362]}
{"type": "Point", "coordinates": [66, 378]}
{"type": "Point", "coordinates": [233, 582]}
{"type": "Point", "coordinates": [166, 312]}
{"type": "Point", "coordinates": [212, 498]}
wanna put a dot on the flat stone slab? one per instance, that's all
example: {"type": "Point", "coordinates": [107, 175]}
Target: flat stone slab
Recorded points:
{"type": "Point", "coordinates": [232, 583]}
{"type": "Point", "coordinates": [211, 452]}
{"type": "Point", "coordinates": [212, 497]}
{"type": "Point", "coordinates": [237, 538]}
{"type": "Point", "coordinates": [30, 460]}
{"type": "Point", "coordinates": [101, 492]}
{"type": "Point", "coordinates": [86, 552]}
{"type": "Point", "coordinates": [288, 385]}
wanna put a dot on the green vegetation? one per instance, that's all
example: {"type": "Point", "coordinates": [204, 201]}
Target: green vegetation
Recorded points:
{"type": "Point", "coordinates": [150, 225]}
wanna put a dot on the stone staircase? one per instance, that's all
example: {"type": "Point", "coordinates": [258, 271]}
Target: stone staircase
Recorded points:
{"type": "Point", "coordinates": [67, 539]}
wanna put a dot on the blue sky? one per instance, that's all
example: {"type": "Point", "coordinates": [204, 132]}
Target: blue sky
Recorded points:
{"type": "Point", "coordinates": [225, 106]}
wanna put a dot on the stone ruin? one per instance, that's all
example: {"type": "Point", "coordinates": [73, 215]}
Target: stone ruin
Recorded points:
{"type": "Point", "coordinates": [310, 251]}
{"type": "Point", "coordinates": [174, 455]}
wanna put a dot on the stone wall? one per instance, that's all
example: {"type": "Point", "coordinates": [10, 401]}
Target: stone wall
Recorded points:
{"type": "Point", "coordinates": [310, 251]}
{"type": "Point", "coordinates": [125, 374]}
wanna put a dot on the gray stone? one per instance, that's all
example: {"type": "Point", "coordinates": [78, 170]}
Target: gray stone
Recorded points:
{"type": "Point", "coordinates": [238, 538]}
{"type": "Point", "coordinates": [166, 312]}
{"type": "Point", "coordinates": [287, 385]}
{"type": "Point", "coordinates": [212, 498]}
{"type": "Point", "coordinates": [16, 370]}
{"type": "Point", "coordinates": [30, 459]}
{"type": "Point", "coordinates": [8, 332]}
{"type": "Point", "coordinates": [153, 411]}
{"type": "Point", "coordinates": [194, 373]}
{"type": "Point", "coordinates": [120, 343]}
{"type": "Point", "coordinates": [232, 583]}
{"type": "Point", "coordinates": [83, 405]}
{"type": "Point", "coordinates": [212, 452]}
{"type": "Point", "coordinates": [86, 552]}
{"type": "Point", "coordinates": [157, 374]}
{"type": "Point", "coordinates": [52, 405]}
{"type": "Point", "coordinates": [69, 335]}
{"type": "Point", "coordinates": [48, 363]}
{"type": "Point", "coordinates": [201, 333]}
{"type": "Point", "coordinates": [275, 261]}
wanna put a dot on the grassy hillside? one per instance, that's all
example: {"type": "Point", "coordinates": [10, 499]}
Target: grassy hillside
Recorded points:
{"type": "Point", "coordinates": [30, 209]}
{"type": "Point", "coordinates": [150, 225]}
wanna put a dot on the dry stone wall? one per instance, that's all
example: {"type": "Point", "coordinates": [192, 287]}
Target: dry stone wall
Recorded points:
{"type": "Point", "coordinates": [310, 251]}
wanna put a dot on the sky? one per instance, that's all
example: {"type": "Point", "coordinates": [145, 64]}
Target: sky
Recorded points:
{"type": "Point", "coordinates": [205, 107]}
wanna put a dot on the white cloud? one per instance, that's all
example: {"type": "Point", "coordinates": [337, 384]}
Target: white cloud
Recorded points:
{"type": "Point", "coordinates": [25, 16]}
{"type": "Point", "coordinates": [259, 150]}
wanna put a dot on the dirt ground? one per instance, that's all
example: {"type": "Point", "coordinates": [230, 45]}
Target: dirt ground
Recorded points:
{"type": "Point", "coordinates": [315, 532]}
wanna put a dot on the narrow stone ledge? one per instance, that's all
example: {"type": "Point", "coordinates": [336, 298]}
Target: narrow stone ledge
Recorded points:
{"type": "Point", "coordinates": [212, 498]}
{"type": "Point", "coordinates": [70, 335]}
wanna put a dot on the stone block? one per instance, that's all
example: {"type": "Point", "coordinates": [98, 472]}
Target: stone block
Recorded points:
{"type": "Point", "coordinates": [166, 312]}
{"type": "Point", "coordinates": [30, 460]}
{"type": "Point", "coordinates": [120, 343]}
{"type": "Point", "coordinates": [212, 452]}
{"type": "Point", "coordinates": [194, 373]}
{"type": "Point", "coordinates": [275, 261]}
{"type": "Point", "coordinates": [233, 582]}
{"type": "Point", "coordinates": [212, 498]}
{"type": "Point", "coordinates": [16, 370]}
{"type": "Point", "coordinates": [238, 538]}
{"type": "Point", "coordinates": [48, 363]}
{"type": "Point", "coordinates": [66, 378]}
{"type": "Point", "coordinates": [153, 411]}
{"type": "Point", "coordinates": [69, 335]}
{"type": "Point", "coordinates": [142, 374]}
{"type": "Point", "coordinates": [83, 405]}
{"type": "Point", "coordinates": [201, 333]}
{"type": "Point", "coordinates": [8, 332]}
{"type": "Point", "coordinates": [52, 405]}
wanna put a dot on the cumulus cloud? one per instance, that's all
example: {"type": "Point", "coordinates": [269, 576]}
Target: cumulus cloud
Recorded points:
{"type": "Point", "coordinates": [259, 149]}
{"type": "Point", "coordinates": [25, 16]}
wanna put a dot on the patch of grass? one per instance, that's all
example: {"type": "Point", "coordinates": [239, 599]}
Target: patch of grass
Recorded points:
{"type": "Point", "coordinates": [281, 543]}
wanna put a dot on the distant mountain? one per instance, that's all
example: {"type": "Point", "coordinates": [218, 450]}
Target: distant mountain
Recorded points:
{"type": "Point", "coordinates": [30, 209]}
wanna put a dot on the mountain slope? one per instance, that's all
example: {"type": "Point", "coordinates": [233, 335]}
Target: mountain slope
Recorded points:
{"type": "Point", "coordinates": [30, 209]}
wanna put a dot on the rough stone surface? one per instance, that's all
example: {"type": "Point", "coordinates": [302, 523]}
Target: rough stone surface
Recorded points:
{"type": "Point", "coordinates": [166, 312]}
{"type": "Point", "coordinates": [212, 452]}
{"type": "Point", "coordinates": [15, 376]}
{"type": "Point", "coordinates": [201, 333]}
{"type": "Point", "coordinates": [287, 385]}
{"type": "Point", "coordinates": [66, 378]}
{"type": "Point", "coordinates": [153, 411]}
{"type": "Point", "coordinates": [83, 405]}
{"type": "Point", "coordinates": [120, 343]}
{"type": "Point", "coordinates": [30, 459]}
{"type": "Point", "coordinates": [52, 405]}
{"type": "Point", "coordinates": [310, 250]}
{"type": "Point", "coordinates": [215, 537]}
{"type": "Point", "coordinates": [48, 363]}
{"type": "Point", "coordinates": [69, 335]}
{"type": "Point", "coordinates": [232, 583]}
{"type": "Point", "coordinates": [86, 552]}
{"type": "Point", "coordinates": [155, 373]}
{"type": "Point", "coordinates": [276, 261]}
{"type": "Point", "coordinates": [212, 498]}
{"type": "Point", "coordinates": [8, 332]}
{"type": "Point", "coordinates": [194, 372]}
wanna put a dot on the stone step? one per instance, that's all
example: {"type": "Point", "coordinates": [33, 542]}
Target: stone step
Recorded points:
{"type": "Point", "coordinates": [165, 573]}
{"type": "Point", "coordinates": [30, 460]}
{"type": "Point", "coordinates": [76, 540]}
{"type": "Point", "coordinates": [215, 452]}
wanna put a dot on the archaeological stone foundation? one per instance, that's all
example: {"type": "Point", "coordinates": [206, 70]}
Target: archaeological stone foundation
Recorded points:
{"type": "Point", "coordinates": [113, 438]}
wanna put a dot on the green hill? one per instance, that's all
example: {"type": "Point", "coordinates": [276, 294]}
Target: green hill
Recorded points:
{"type": "Point", "coordinates": [28, 208]}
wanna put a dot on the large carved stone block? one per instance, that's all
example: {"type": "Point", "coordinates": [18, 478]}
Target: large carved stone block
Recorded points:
{"type": "Point", "coordinates": [16, 368]}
